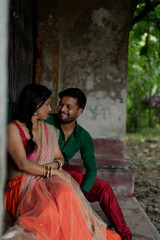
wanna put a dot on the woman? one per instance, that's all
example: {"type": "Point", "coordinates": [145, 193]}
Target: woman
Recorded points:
{"type": "Point", "coordinates": [45, 201]}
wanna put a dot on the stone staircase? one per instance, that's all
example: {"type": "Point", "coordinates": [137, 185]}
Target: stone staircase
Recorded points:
{"type": "Point", "coordinates": [112, 166]}
{"type": "Point", "coordinates": [120, 173]}
{"type": "Point", "coordinates": [121, 177]}
{"type": "Point", "coordinates": [135, 217]}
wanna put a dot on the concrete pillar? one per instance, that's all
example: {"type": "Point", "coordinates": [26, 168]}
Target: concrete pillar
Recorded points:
{"type": "Point", "coordinates": [93, 57]}
{"type": "Point", "coordinates": [3, 96]}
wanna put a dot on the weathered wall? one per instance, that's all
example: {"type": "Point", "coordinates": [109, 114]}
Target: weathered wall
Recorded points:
{"type": "Point", "coordinates": [84, 44]}
{"type": "Point", "coordinates": [47, 44]}
{"type": "Point", "coordinates": [93, 56]}
{"type": "Point", "coordinates": [21, 26]}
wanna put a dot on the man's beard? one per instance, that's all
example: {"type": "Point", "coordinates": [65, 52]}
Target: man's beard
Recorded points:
{"type": "Point", "coordinates": [66, 120]}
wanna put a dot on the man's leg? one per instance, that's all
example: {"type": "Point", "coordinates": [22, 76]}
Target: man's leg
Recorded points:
{"type": "Point", "coordinates": [102, 192]}
{"type": "Point", "coordinates": [75, 171]}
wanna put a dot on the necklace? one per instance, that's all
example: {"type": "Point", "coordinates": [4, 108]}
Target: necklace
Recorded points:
{"type": "Point", "coordinates": [35, 128]}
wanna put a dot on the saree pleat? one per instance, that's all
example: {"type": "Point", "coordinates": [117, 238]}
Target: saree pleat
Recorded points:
{"type": "Point", "coordinates": [11, 195]}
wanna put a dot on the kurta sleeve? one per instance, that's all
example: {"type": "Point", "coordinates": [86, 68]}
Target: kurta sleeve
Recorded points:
{"type": "Point", "coordinates": [89, 161]}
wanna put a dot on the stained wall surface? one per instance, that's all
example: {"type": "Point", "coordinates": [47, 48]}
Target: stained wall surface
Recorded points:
{"type": "Point", "coordinates": [93, 57]}
{"type": "Point", "coordinates": [47, 44]}
{"type": "Point", "coordinates": [91, 39]}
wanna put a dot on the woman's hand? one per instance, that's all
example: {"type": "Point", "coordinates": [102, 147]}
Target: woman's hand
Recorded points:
{"type": "Point", "coordinates": [53, 165]}
{"type": "Point", "coordinates": [63, 174]}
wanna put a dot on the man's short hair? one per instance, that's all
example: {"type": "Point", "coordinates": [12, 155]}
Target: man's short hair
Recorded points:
{"type": "Point", "coordinates": [75, 93]}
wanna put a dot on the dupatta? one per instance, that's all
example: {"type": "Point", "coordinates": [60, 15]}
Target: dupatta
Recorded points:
{"type": "Point", "coordinates": [53, 208]}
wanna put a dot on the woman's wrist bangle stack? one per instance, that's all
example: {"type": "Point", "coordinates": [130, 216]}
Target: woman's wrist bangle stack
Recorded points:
{"type": "Point", "coordinates": [47, 171]}
{"type": "Point", "coordinates": [60, 164]}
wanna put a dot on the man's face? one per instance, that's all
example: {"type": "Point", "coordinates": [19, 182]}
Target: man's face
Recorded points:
{"type": "Point", "coordinates": [68, 110]}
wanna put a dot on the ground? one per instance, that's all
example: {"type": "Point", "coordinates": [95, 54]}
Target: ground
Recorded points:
{"type": "Point", "coordinates": [145, 153]}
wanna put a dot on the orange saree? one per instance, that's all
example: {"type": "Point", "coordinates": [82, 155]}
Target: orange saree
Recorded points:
{"type": "Point", "coordinates": [51, 208]}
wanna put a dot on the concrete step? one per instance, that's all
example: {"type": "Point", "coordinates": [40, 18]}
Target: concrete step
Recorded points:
{"type": "Point", "coordinates": [120, 174]}
{"type": "Point", "coordinates": [135, 217]}
{"type": "Point", "coordinates": [121, 177]}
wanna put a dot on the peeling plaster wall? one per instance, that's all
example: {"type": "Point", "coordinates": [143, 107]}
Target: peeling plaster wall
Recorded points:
{"type": "Point", "coordinates": [92, 42]}
{"type": "Point", "coordinates": [48, 46]}
{"type": "Point", "coordinates": [104, 116]}
{"type": "Point", "coordinates": [93, 57]}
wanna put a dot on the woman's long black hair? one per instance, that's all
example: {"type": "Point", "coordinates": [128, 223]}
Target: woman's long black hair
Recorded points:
{"type": "Point", "coordinates": [32, 97]}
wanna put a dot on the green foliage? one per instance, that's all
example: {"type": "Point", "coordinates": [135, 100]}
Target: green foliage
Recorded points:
{"type": "Point", "coordinates": [143, 134]}
{"type": "Point", "coordinates": [144, 72]}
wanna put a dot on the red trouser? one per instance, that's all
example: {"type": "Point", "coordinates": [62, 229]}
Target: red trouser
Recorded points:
{"type": "Point", "coordinates": [103, 193]}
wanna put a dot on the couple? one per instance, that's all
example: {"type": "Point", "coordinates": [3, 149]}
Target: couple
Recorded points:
{"type": "Point", "coordinates": [44, 199]}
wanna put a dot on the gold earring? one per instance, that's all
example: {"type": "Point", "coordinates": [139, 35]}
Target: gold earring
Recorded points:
{"type": "Point", "coordinates": [35, 114]}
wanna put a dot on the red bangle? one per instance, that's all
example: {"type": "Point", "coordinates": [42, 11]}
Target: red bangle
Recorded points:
{"type": "Point", "coordinates": [49, 171]}
{"type": "Point", "coordinates": [46, 170]}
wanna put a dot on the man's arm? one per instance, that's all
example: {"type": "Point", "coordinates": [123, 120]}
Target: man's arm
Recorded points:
{"type": "Point", "coordinates": [83, 143]}
{"type": "Point", "coordinates": [89, 161]}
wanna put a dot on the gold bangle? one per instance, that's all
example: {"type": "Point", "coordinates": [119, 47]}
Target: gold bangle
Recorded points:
{"type": "Point", "coordinates": [47, 171]}
{"type": "Point", "coordinates": [60, 164]}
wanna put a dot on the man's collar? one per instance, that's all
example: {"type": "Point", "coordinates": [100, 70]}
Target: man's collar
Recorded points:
{"type": "Point", "coordinates": [75, 130]}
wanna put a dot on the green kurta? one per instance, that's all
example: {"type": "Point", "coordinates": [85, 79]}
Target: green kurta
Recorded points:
{"type": "Point", "coordinates": [81, 140]}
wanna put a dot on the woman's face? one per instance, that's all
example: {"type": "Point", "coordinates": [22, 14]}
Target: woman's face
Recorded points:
{"type": "Point", "coordinates": [44, 111]}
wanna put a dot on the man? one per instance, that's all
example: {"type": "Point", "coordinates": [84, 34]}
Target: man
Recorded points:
{"type": "Point", "coordinates": [72, 138]}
